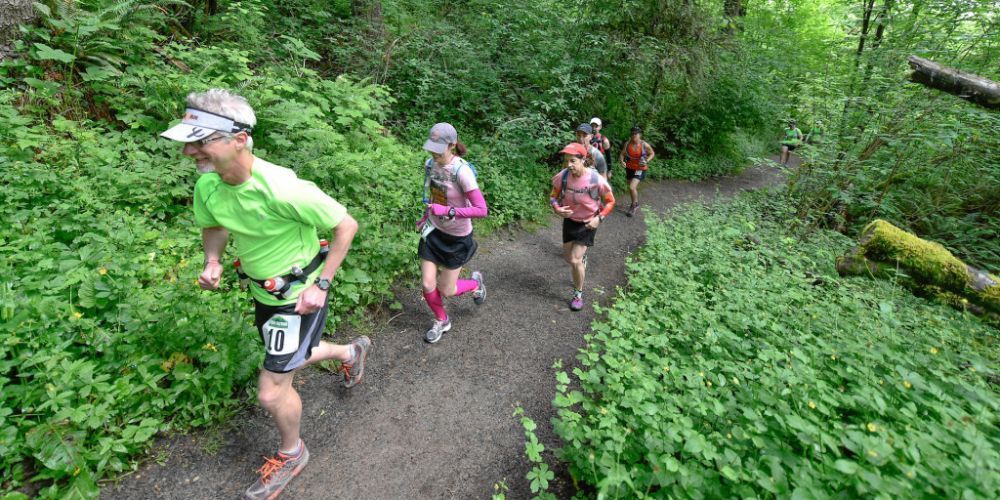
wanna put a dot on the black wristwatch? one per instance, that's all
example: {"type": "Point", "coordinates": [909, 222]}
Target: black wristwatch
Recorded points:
{"type": "Point", "coordinates": [451, 213]}
{"type": "Point", "coordinates": [323, 284]}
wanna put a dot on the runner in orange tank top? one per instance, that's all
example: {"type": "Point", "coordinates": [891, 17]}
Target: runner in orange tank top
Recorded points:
{"type": "Point", "coordinates": [635, 157]}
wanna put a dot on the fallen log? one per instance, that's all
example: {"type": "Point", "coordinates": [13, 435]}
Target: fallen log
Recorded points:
{"type": "Point", "coordinates": [974, 88]}
{"type": "Point", "coordinates": [885, 251]}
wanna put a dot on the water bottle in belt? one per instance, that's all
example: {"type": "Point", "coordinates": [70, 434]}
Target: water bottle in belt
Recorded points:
{"type": "Point", "coordinates": [275, 285]}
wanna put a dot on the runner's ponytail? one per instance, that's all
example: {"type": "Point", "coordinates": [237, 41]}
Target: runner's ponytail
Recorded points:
{"type": "Point", "coordinates": [460, 149]}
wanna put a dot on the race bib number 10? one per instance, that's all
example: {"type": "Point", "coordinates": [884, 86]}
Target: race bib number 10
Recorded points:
{"type": "Point", "coordinates": [281, 334]}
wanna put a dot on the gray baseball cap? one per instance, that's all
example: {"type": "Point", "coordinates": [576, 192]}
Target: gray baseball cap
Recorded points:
{"type": "Point", "coordinates": [442, 134]}
{"type": "Point", "coordinates": [585, 128]}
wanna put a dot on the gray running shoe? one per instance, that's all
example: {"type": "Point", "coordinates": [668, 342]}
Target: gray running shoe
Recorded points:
{"type": "Point", "coordinates": [479, 296]}
{"type": "Point", "coordinates": [631, 210]}
{"type": "Point", "coordinates": [275, 474]}
{"type": "Point", "coordinates": [354, 372]}
{"type": "Point", "coordinates": [439, 327]}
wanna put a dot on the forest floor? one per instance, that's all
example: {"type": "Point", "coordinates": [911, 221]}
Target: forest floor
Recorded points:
{"type": "Point", "coordinates": [435, 421]}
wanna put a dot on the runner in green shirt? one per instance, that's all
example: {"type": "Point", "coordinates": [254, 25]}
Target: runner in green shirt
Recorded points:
{"type": "Point", "coordinates": [816, 133]}
{"type": "Point", "coordinates": [792, 139]}
{"type": "Point", "coordinates": [276, 220]}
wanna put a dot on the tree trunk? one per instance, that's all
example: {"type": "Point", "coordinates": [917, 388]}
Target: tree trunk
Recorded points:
{"type": "Point", "coordinates": [13, 13]}
{"type": "Point", "coordinates": [370, 12]}
{"type": "Point", "coordinates": [968, 86]}
{"type": "Point", "coordinates": [734, 8]}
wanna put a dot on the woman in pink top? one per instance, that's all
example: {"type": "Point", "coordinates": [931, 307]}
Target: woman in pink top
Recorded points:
{"type": "Point", "coordinates": [583, 198]}
{"type": "Point", "coordinates": [453, 199]}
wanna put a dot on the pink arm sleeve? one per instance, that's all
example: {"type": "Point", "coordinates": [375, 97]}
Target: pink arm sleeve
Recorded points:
{"type": "Point", "coordinates": [478, 210]}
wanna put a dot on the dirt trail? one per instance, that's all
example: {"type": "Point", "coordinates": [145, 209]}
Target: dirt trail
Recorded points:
{"type": "Point", "coordinates": [434, 421]}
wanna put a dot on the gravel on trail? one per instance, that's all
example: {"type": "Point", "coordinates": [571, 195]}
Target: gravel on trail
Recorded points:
{"type": "Point", "coordinates": [435, 421]}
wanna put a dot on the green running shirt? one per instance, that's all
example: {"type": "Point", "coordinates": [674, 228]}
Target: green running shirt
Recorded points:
{"type": "Point", "coordinates": [273, 218]}
{"type": "Point", "coordinates": [792, 136]}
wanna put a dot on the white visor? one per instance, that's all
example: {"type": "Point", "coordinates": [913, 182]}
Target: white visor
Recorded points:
{"type": "Point", "coordinates": [198, 124]}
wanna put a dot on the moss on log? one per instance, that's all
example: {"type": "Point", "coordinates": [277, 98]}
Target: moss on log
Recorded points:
{"type": "Point", "coordinates": [928, 268]}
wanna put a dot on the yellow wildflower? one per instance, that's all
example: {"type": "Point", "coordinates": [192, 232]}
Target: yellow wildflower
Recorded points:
{"type": "Point", "coordinates": [872, 453]}
{"type": "Point", "coordinates": [77, 314]}
{"type": "Point", "coordinates": [907, 384]}
{"type": "Point", "coordinates": [708, 383]}
{"type": "Point", "coordinates": [604, 411]}
{"type": "Point", "coordinates": [910, 474]}
{"type": "Point", "coordinates": [934, 350]}
{"type": "Point", "coordinates": [729, 435]}
{"type": "Point", "coordinates": [872, 427]}
{"type": "Point", "coordinates": [102, 271]}
{"type": "Point", "coordinates": [701, 374]}
{"type": "Point", "coordinates": [812, 405]}
{"type": "Point", "coordinates": [210, 346]}
{"type": "Point", "coordinates": [736, 381]}
{"type": "Point", "coordinates": [666, 368]}
{"type": "Point", "coordinates": [833, 357]}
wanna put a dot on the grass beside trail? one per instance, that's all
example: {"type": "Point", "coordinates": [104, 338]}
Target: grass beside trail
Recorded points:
{"type": "Point", "coordinates": [737, 363]}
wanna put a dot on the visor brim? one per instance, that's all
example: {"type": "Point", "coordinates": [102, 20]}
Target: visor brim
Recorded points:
{"type": "Point", "coordinates": [435, 147]}
{"type": "Point", "coordinates": [182, 132]}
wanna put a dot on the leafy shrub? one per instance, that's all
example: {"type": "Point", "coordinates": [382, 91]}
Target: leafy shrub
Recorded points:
{"type": "Point", "coordinates": [106, 340]}
{"type": "Point", "coordinates": [738, 364]}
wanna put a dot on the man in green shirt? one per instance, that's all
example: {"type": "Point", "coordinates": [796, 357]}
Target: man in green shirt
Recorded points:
{"type": "Point", "coordinates": [273, 217]}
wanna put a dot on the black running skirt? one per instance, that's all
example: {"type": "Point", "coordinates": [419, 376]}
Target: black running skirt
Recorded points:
{"type": "Point", "coordinates": [445, 250]}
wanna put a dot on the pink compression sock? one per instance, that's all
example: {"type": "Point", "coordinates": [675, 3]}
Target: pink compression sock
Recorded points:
{"type": "Point", "coordinates": [434, 301]}
{"type": "Point", "coordinates": [465, 286]}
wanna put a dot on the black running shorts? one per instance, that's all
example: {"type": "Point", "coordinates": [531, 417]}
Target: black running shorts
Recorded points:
{"type": "Point", "coordinates": [635, 174]}
{"type": "Point", "coordinates": [288, 337]}
{"type": "Point", "coordinates": [578, 233]}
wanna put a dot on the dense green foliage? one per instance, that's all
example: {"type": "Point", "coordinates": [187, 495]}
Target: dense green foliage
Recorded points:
{"type": "Point", "coordinates": [106, 340]}
{"type": "Point", "coordinates": [737, 364]}
{"type": "Point", "coordinates": [918, 157]}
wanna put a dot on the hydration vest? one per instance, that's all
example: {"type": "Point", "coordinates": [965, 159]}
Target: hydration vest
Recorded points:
{"type": "Point", "coordinates": [593, 190]}
{"type": "Point", "coordinates": [635, 161]}
{"type": "Point", "coordinates": [598, 142]}
{"type": "Point", "coordinates": [429, 164]}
